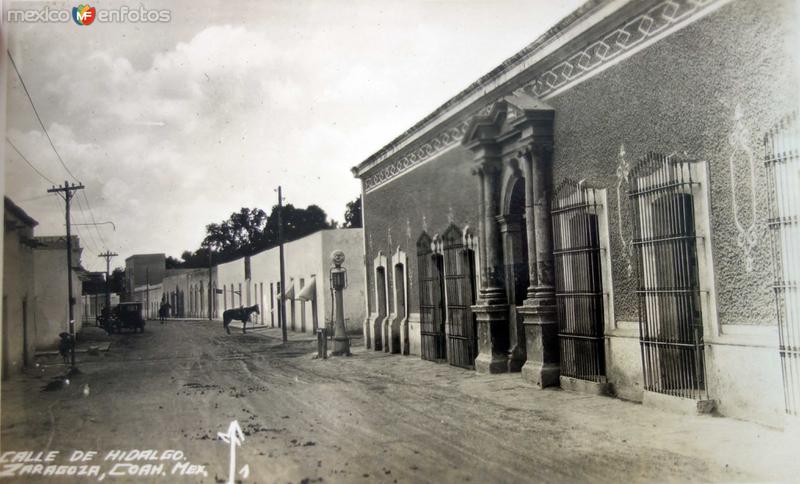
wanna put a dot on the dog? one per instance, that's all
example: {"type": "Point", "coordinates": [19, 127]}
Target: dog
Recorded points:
{"type": "Point", "coordinates": [64, 346]}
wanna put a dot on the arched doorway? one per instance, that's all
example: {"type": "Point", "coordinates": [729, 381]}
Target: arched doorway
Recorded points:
{"type": "Point", "coordinates": [380, 290]}
{"type": "Point", "coordinates": [515, 260]}
{"type": "Point", "coordinates": [399, 337]}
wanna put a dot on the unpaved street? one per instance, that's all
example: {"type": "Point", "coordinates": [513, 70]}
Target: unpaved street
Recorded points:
{"type": "Point", "coordinates": [368, 418]}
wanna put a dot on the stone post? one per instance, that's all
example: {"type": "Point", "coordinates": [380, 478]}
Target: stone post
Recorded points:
{"type": "Point", "coordinates": [539, 311]}
{"type": "Point", "coordinates": [513, 252]}
{"type": "Point", "coordinates": [491, 312]}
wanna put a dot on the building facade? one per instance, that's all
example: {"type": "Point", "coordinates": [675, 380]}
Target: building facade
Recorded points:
{"type": "Point", "coordinates": [594, 213]}
{"type": "Point", "coordinates": [50, 276]}
{"type": "Point", "coordinates": [143, 269]}
{"type": "Point", "coordinates": [256, 280]}
{"type": "Point", "coordinates": [19, 296]}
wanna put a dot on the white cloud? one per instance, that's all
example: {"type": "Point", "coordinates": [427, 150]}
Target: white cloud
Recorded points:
{"type": "Point", "coordinates": [175, 126]}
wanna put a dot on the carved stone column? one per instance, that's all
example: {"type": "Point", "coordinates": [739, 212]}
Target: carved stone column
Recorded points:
{"type": "Point", "coordinates": [539, 311]}
{"type": "Point", "coordinates": [491, 312]}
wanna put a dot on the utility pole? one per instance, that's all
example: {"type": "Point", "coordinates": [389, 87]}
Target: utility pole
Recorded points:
{"type": "Point", "coordinates": [147, 296]}
{"type": "Point", "coordinates": [108, 255]}
{"type": "Point", "coordinates": [282, 306]}
{"type": "Point", "coordinates": [67, 191]}
{"type": "Point", "coordinates": [210, 288]}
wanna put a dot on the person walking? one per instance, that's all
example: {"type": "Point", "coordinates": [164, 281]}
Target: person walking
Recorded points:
{"type": "Point", "coordinates": [163, 311]}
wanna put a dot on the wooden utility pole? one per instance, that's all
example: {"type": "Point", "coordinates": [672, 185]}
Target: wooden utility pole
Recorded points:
{"type": "Point", "coordinates": [282, 301]}
{"type": "Point", "coordinates": [147, 295]}
{"type": "Point", "coordinates": [108, 255]}
{"type": "Point", "coordinates": [211, 294]}
{"type": "Point", "coordinates": [66, 191]}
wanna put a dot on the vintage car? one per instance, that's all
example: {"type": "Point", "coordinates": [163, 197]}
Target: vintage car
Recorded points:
{"type": "Point", "coordinates": [125, 316]}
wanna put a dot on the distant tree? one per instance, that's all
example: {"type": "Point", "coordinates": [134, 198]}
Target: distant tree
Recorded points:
{"type": "Point", "coordinates": [241, 233]}
{"type": "Point", "coordinates": [173, 263]}
{"type": "Point", "coordinates": [352, 214]}
{"type": "Point", "coordinates": [117, 280]}
{"type": "Point", "coordinates": [252, 230]}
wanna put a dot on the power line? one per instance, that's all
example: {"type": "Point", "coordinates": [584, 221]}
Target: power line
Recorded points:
{"type": "Point", "coordinates": [38, 118]}
{"type": "Point", "coordinates": [91, 214]}
{"type": "Point", "coordinates": [29, 163]}
{"type": "Point", "coordinates": [86, 242]}
{"type": "Point", "coordinates": [83, 216]}
{"type": "Point", "coordinates": [52, 145]}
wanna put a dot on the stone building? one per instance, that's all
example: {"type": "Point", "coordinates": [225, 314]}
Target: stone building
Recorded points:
{"type": "Point", "coordinates": [594, 212]}
{"type": "Point", "coordinates": [19, 296]}
{"type": "Point", "coordinates": [256, 280]}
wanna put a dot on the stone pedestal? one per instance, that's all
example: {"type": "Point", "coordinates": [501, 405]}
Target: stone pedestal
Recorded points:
{"type": "Point", "coordinates": [492, 339]}
{"type": "Point", "coordinates": [393, 340]}
{"type": "Point", "coordinates": [541, 337]}
{"type": "Point", "coordinates": [367, 329]}
{"type": "Point", "coordinates": [377, 332]}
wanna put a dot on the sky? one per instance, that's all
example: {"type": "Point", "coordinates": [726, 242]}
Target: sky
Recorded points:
{"type": "Point", "coordinates": [172, 126]}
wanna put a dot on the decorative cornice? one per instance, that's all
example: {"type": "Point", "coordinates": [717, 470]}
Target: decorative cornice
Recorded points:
{"type": "Point", "coordinates": [632, 35]}
{"type": "Point", "coordinates": [430, 148]}
{"type": "Point", "coordinates": [634, 32]}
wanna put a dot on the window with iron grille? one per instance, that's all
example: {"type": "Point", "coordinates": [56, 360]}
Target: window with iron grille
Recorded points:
{"type": "Point", "coordinates": [782, 158]}
{"type": "Point", "coordinates": [459, 266]}
{"type": "Point", "coordinates": [431, 300]}
{"type": "Point", "coordinates": [579, 281]}
{"type": "Point", "coordinates": [665, 243]}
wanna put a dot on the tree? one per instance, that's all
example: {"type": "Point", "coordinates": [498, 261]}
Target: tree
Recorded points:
{"type": "Point", "coordinates": [173, 263]}
{"type": "Point", "coordinates": [241, 233]}
{"type": "Point", "coordinates": [251, 230]}
{"type": "Point", "coordinates": [117, 280]}
{"type": "Point", "coordinates": [352, 214]}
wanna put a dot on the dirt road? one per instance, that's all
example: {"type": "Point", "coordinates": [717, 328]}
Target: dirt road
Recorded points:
{"type": "Point", "coordinates": [368, 418]}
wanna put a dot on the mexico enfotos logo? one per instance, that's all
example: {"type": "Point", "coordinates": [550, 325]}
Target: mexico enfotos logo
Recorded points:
{"type": "Point", "coordinates": [86, 15]}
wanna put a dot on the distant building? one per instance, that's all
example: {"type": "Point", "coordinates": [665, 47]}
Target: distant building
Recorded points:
{"type": "Point", "coordinates": [185, 290]}
{"type": "Point", "coordinates": [93, 297]}
{"type": "Point", "coordinates": [256, 280]}
{"type": "Point", "coordinates": [19, 297]}
{"type": "Point", "coordinates": [143, 269]}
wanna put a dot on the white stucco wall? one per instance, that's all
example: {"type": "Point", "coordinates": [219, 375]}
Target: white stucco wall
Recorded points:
{"type": "Point", "coordinates": [52, 311]}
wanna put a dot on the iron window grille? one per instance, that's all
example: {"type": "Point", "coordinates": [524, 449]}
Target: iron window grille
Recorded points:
{"type": "Point", "coordinates": [579, 281]}
{"type": "Point", "coordinates": [782, 159]}
{"type": "Point", "coordinates": [431, 300]}
{"type": "Point", "coordinates": [665, 249]}
{"type": "Point", "coordinates": [459, 265]}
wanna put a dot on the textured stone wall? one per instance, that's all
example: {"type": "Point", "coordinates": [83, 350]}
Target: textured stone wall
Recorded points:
{"type": "Point", "coordinates": [708, 92]}
{"type": "Point", "coordinates": [426, 198]}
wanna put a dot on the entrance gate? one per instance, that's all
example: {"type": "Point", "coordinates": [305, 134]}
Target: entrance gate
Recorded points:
{"type": "Point", "coordinates": [460, 286]}
{"type": "Point", "coordinates": [431, 300]}
{"type": "Point", "coordinates": [579, 287]}
{"type": "Point", "coordinates": [782, 145]}
{"type": "Point", "coordinates": [665, 244]}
